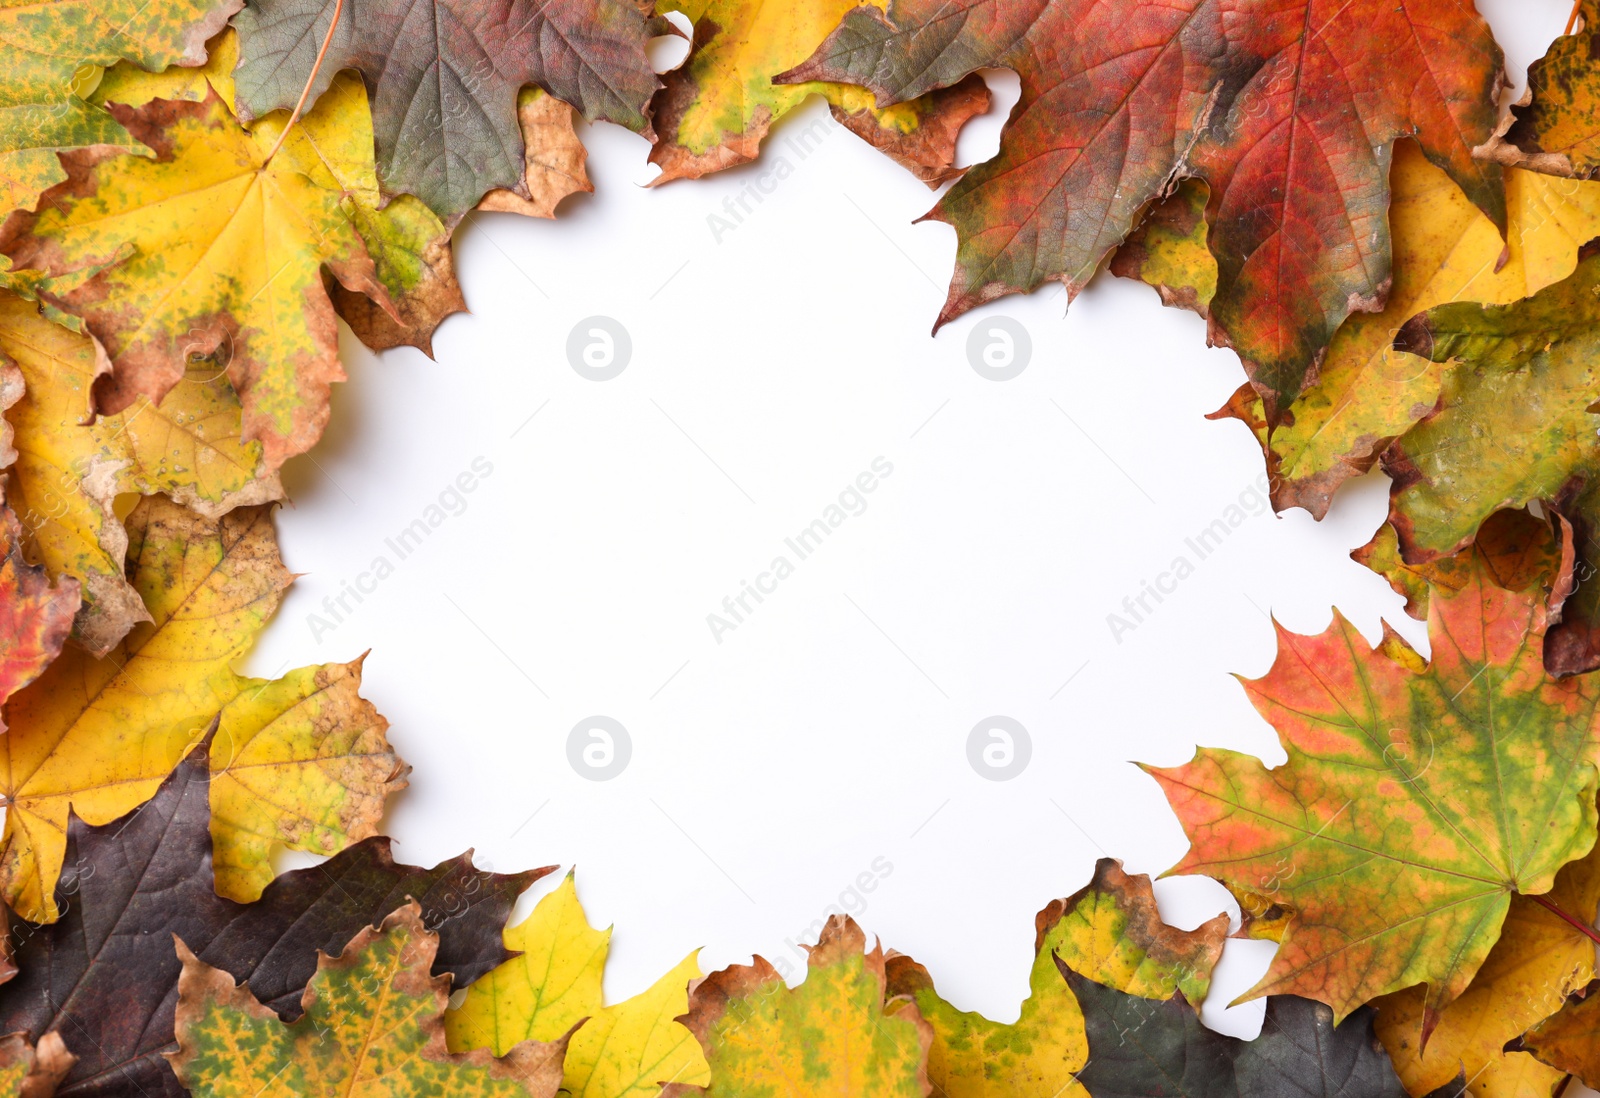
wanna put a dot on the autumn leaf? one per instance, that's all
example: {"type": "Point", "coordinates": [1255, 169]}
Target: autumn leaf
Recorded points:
{"type": "Point", "coordinates": [416, 266]}
{"type": "Point", "coordinates": [1513, 426]}
{"type": "Point", "coordinates": [1554, 127]}
{"type": "Point", "coordinates": [1112, 931]}
{"type": "Point", "coordinates": [224, 254]}
{"type": "Point", "coordinates": [410, 248]}
{"type": "Point", "coordinates": [1415, 800]}
{"type": "Point", "coordinates": [35, 616]}
{"type": "Point", "coordinates": [626, 1050]}
{"type": "Point", "coordinates": [1445, 249]}
{"type": "Point", "coordinates": [1569, 1041]}
{"type": "Point", "coordinates": [51, 48]}
{"type": "Point", "coordinates": [553, 159]}
{"type": "Point", "coordinates": [444, 78]}
{"type": "Point", "coordinates": [29, 1072]}
{"type": "Point", "coordinates": [302, 760]}
{"type": "Point", "coordinates": [373, 1025]}
{"type": "Point", "coordinates": [1143, 1048]}
{"type": "Point", "coordinates": [1516, 550]}
{"type": "Point", "coordinates": [1167, 250]}
{"type": "Point", "coordinates": [833, 1035]}
{"type": "Point", "coordinates": [1573, 646]}
{"type": "Point", "coordinates": [1513, 422]}
{"type": "Point", "coordinates": [718, 106]}
{"type": "Point", "coordinates": [1539, 960]}
{"type": "Point", "coordinates": [70, 467]}
{"type": "Point", "coordinates": [1289, 113]}
{"type": "Point", "coordinates": [105, 977]}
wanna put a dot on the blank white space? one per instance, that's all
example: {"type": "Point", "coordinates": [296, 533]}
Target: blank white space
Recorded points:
{"type": "Point", "coordinates": [827, 731]}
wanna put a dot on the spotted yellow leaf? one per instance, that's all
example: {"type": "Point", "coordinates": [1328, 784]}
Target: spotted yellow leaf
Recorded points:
{"type": "Point", "coordinates": [1539, 960]}
{"type": "Point", "coordinates": [70, 467]}
{"type": "Point", "coordinates": [834, 1035]}
{"type": "Point", "coordinates": [410, 247]}
{"type": "Point", "coordinates": [53, 48]}
{"type": "Point", "coordinates": [626, 1050]}
{"type": "Point", "coordinates": [301, 760]}
{"type": "Point", "coordinates": [1366, 393]}
{"type": "Point", "coordinates": [717, 107]}
{"type": "Point", "coordinates": [372, 1028]}
{"type": "Point", "coordinates": [27, 1071]}
{"type": "Point", "coordinates": [1111, 932]}
{"type": "Point", "coordinates": [221, 254]}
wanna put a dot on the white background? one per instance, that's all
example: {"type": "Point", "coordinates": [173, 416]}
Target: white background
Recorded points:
{"type": "Point", "coordinates": [769, 369]}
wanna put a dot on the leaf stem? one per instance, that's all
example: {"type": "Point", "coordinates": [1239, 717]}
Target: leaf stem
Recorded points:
{"type": "Point", "coordinates": [1577, 924]}
{"type": "Point", "coordinates": [327, 40]}
{"type": "Point", "coordinates": [1573, 18]}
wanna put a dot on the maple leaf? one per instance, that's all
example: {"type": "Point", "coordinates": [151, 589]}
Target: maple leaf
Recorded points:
{"type": "Point", "coordinates": [1367, 392]}
{"type": "Point", "coordinates": [1513, 425]}
{"type": "Point", "coordinates": [68, 471]}
{"type": "Point", "coordinates": [1415, 800]}
{"type": "Point", "coordinates": [627, 1050]}
{"type": "Point", "coordinates": [717, 107]}
{"type": "Point", "coordinates": [105, 976]}
{"type": "Point", "coordinates": [1167, 250]}
{"type": "Point", "coordinates": [29, 1072]}
{"type": "Point", "coordinates": [1110, 929]}
{"type": "Point", "coordinates": [1513, 421]}
{"type": "Point", "coordinates": [216, 253]}
{"type": "Point", "coordinates": [373, 1025]}
{"type": "Point", "coordinates": [1554, 126]}
{"type": "Point", "coordinates": [1516, 550]}
{"type": "Point", "coordinates": [1288, 110]}
{"type": "Point", "coordinates": [833, 1035]}
{"type": "Point", "coordinates": [444, 78]}
{"type": "Point", "coordinates": [553, 159]}
{"type": "Point", "coordinates": [1569, 1040]}
{"type": "Point", "coordinates": [42, 92]}
{"type": "Point", "coordinates": [35, 617]}
{"type": "Point", "coordinates": [1573, 646]}
{"type": "Point", "coordinates": [1143, 1048]}
{"type": "Point", "coordinates": [409, 246]}
{"type": "Point", "coordinates": [1539, 960]}
{"type": "Point", "coordinates": [303, 759]}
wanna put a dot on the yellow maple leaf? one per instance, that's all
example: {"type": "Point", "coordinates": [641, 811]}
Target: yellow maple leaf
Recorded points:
{"type": "Point", "coordinates": [1367, 393]}
{"type": "Point", "coordinates": [370, 1029]}
{"type": "Point", "coordinates": [69, 468]}
{"type": "Point", "coordinates": [1111, 933]}
{"type": "Point", "coordinates": [1538, 961]}
{"type": "Point", "coordinates": [717, 107]}
{"type": "Point", "coordinates": [53, 49]}
{"type": "Point", "coordinates": [833, 1035]}
{"type": "Point", "coordinates": [409, 245]}
{"type": "Point", "coordinates": [1445, 249]}
{"type": "Point", "coordinates": [302, 760]}
{"type": "Point", "coordinates": [627, 1050]}
{"type": "Point", "coordinates": [218, 251]}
